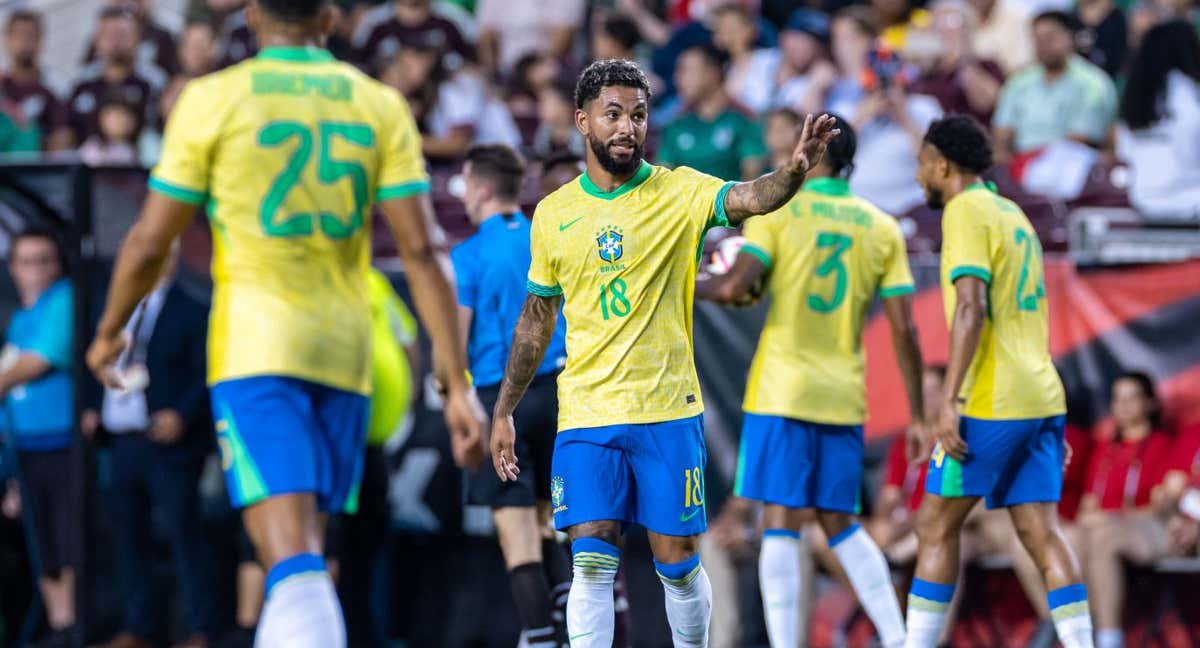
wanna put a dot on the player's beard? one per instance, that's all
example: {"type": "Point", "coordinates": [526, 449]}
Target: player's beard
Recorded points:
{"type": "Point", "coordinates": [934, 198]}
{"type": "Point", "coordinates": [618, 167]}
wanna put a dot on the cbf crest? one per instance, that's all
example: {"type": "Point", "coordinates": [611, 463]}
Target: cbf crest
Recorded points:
{"type": "Point", "coordinates": [610, 244]}
{"type": "Point", "coordinates": [557, 494]}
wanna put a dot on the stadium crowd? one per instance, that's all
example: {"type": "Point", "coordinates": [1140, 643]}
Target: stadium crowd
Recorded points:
{"type": "Point", "coordinates": [1090, 103]}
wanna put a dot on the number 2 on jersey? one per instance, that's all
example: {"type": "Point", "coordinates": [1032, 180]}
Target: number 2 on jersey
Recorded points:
{"type": "Point", "coordinates": [329, 171]}
{"type": "Point", "coordinates": [834, 265]}
{"type": "Point", "coordinates": [1028, 302]}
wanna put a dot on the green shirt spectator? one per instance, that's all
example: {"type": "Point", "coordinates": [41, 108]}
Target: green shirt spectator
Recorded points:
{"type": "Point", "coordinates": [713, 136]}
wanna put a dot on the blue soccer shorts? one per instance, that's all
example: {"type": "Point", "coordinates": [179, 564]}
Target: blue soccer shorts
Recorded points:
{"type": "Point", "coordinates": [646, 474]}
{"type": "Point", "coordinates": [1009, 462]}
{"type": "Point", "coordinates": [800, 464]}
{"type": "Point", "coordinates": [279, 435]}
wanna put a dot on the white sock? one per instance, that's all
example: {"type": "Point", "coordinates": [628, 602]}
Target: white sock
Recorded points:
{"type": "Point", "coordinates": [1105, 638]}
{"type": "Point", "coordinates": [1073, 619]}
{"type": "Point", "coordinates": [689, 601]}
{"type": "Point", "coordinates": [591, 615]}
{"type": "Point", "coordinates": [301, 609]}
{"type": "Point", "coordinates": [872, 581]}
{"type": "Point", "coordinates": [927, 606]}
{"type": "Point", "coordinates": [779, 581]}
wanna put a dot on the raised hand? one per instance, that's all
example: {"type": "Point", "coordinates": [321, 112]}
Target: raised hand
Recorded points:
{"type": "Point", "coordinates": [815, 136]}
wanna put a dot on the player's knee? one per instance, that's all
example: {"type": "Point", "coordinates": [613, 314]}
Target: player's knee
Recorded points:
{"type": "Point", "coordinates": [834, 522]}
{"type": "Point", "coordinates": [933, 527]}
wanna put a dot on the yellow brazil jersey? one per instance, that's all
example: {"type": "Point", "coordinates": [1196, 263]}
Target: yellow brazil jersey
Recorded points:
{"type": "Point", "coordinates": [289, 150]}
{"type": "Point", "coordinates": [829, 253]}
{"type": "Point", "coordinates": [625, 263]}
{"type": "Point", "coordinates": [1011, 375]}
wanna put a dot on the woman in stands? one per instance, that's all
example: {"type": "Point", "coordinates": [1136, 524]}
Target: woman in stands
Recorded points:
{"type": "Point", "coordinates": [1158, 134]}
{"type": "Point", "coordinates": [1122, 516]}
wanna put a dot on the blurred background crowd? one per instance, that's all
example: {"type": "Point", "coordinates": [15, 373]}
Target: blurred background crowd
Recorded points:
{"type": "Point", "coordinates": [1092, 104]}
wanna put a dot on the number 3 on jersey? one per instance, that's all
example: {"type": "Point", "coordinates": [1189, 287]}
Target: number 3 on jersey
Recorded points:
{"type": "Point", "coordinates": [329, 171]}
{"type": "Point", "coordinates": [833, 265]}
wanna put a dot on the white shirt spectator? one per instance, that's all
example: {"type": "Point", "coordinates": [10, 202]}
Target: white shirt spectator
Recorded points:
{"type": "Point", "coordinates": [1006, 37]}
{"type": "Point", "coordinates": [1164, 159]}
{"type": "Point", "coordinates": [885, 163]}
{"type": "Point", "coordinates": [464, 100]}
{"type": "Point", "coordinates": [751, 82]}
{"type": "Point", "coordinates": [524, 27]}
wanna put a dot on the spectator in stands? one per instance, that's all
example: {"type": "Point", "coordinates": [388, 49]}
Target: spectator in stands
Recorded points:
{"type": "Point", "coordinates": [198, 50]}
{"type": "Point", "coordinates": [1103, 37]}
{"type": "Point", "coordinates": [783, 127]}
{"type": "Point", "coordinates": [556, 122]}
{"type": "Point", "coordinates": [896, 19]}
{"type": "Point", "coordinates": [509, 30]}
{"type": "Point", "coordinates": [116, 74]}
{"type": "Point", "coordinates": [616, 37]}
{"type": "Point", "coordinates": [750, 78]}
{"type": "Point", "coordinates": [1003, 34]}
{"type": "Point", "coordinates": [1117, 518]}
{"type": "Point", "coordinates": [454, 109]}
{"type": "Point", "coordinates": [118, 126]}
{"type": "Point", "coordinates": [1062, 97]}
{"type": "Point", "coordinates": [533, 73]}
{"type": "Point", "coordinates": [414, 23]}
{"type": "Point", "coordinates": [40, 118]}
{"type": "Point", "coordinates": [36, 381]}
{"type": "Point", "coordinates": [157, 44]}
{"type": "Point", "coordinates": [159, 432]}
{"type": "Point", "coordinates": [805, 71]}
{"type": "Point", "coordinates": [889, 120]}
{"type": "Point", "coordinates": [1183, 481]}
{"type": "Point", "coordinates": [714, 135]}
{"type": "Point", "coordinates": [1158, 134]}
{"type": "Point", "coordinates": [239, 42]}
{"type": "Point", "coordinates": [1145, 14]}
{"type": "Point", "coordinates": [950, 70]}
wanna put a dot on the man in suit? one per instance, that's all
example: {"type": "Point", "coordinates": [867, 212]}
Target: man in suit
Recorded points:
{"type": "Point", "coordinates": [159, 432]}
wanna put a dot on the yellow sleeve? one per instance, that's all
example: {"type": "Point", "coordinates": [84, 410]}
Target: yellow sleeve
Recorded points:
{"type": "Point", "coordinates": [759, 232]}
{"type": "Point", "coordinates": [965, 242]}
{"type": "Point", "coordinates": [708, 196]}
{"type": "Point", "coordinates": [403, 168]}
{"type": "Point", "coordinates": [897, 277]}
{"type": "Point", "coordinates": [542, 281]}
{"type": "Point", "coordinates": [183, 172]}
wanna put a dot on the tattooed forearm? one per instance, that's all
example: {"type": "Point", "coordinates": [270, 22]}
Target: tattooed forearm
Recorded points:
{"type": "Point", "coordinates": [530, 339]}
{"type": "Point", "coordinates": [763, 195]}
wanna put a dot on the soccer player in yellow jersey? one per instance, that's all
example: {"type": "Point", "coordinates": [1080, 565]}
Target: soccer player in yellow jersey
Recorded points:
{"type": "Point", "coordinates": [289, 151]}
{"type": "Point", "coordinates": [618, 248]}
{"type": "Point", "coordinates": [999, 431]}
{"type": "Point", "coordinates": [825, 257]}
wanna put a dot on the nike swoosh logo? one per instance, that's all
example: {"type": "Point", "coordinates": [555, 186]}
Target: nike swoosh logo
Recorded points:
{"type": "Point", "coordinates": [685, 516]}
{"type": "Point", "coordinates": [580, 636]}
{"type": "Point", "coordinates": [562, 227]}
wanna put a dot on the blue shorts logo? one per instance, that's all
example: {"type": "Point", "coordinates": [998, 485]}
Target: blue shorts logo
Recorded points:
{"type": "Point", "coordinates": [557, 494]}
{"type": "Point", "coordinates": [610, 244]}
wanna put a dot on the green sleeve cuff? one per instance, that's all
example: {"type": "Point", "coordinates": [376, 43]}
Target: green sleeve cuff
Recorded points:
{"type": "Point", "coordinates": [896, 291]}
{"type": "Point", "coordinates": [542, 291]}
{"type": "Point", "coordinates": [759, 253]}
{"type": "Point", "coordinates": [403, 190]}
{"type": "Point", "coordinates": [176, 192]}
{"type": "Point", "coordinates": [974, 271]}
{"type": "Point", "coordinates": [720, 218]}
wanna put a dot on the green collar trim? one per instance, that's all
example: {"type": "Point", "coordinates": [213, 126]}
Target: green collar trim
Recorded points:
{"type": "Point", "coordinates": [985, 184]}
{"type": "Point", "coordinates": [827, 186]}
{"type": "Point", "coordinates": [638, 178]}
{"type": "Point", "coordinates": [297, 54]}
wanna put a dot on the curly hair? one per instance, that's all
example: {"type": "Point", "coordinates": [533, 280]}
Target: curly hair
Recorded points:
{"type": "Point", "coordinates": [606, 74]}
{"type": "Point", "coordinates": [962, 140]}
{"type": "Point", "coordinates": [840, 154]}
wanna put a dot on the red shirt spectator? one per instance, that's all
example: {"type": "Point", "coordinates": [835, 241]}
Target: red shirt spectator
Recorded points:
{"type": "Point", "coordinates": [1185, 455]}
{"type": "Point", "coordinates": [1122, 474]}
{"type": "Point", "coordinates": [1075, 477]}
{"type": "Point", "coordinates": [909, 478]}
{"type": "Point", "coordinates": [115, 76]}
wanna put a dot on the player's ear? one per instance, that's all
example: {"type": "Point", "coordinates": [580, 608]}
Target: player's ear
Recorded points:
{"type": "Point", "coordinates": [253, 17]}
{"type": "Point", "coordinates": [328, 18]}
{"type": "Point", "coordinates": [581, 121]}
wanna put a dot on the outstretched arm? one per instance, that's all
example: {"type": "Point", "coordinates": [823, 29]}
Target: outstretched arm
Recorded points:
{"type": "Point", "coordinates": [532, 335]}
{"type": "Point", "coordinates": [773, 190]}
{"type": "Point", "coordinates": [970, 312]}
